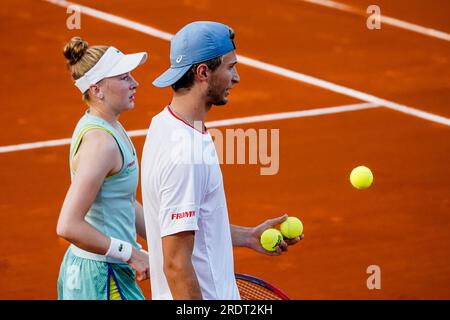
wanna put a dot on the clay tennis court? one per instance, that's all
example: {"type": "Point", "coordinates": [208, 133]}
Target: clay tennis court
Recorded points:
{"type": "Point", "coordinates": [401, 224]}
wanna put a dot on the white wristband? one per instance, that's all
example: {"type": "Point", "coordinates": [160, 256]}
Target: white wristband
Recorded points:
{"type": "Point", "coordinates": [119, 249]}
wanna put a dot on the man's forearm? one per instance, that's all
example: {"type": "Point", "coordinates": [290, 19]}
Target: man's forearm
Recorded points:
{"type": "Point", "coordinates": [183, 283]}
{"type": "Point", "coordinates": [239, 235]}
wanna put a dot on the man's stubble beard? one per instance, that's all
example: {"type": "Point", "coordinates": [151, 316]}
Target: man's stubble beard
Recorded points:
{"type": "Point", "coordinates": [214, 96]}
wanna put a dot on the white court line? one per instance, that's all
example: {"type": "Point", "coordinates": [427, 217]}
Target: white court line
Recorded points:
{"type": "Point", "coordinates": [211, 124]}
{"type": "Point", "coordinates": [384, 19]}
{"type": "Point", "coordinates": [344, 90]}
{"type": "Point", "coordinates": [291, 115]}
{"type": "Point", "coordinates": [35, 145]}
{"type": "Point", "coordinates": [264, 66]}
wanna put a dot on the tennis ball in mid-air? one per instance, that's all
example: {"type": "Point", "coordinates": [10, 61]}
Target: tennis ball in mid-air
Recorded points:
{"type": "Point", "coordinates": [291, 228]}
{"type": "Point", "coordinates": [270, 239]}
{"type": "Point", "coordinates": [361, 177]}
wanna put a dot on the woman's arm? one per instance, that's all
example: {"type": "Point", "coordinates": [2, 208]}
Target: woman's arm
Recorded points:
{"type": "Point", "coordinates": [96, 158]}
{"type": "Point", "coordinates": [140, 222]}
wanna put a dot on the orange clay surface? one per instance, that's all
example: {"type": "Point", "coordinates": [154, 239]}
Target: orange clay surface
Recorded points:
{"type": "Point", "coordinates": [401, 224]}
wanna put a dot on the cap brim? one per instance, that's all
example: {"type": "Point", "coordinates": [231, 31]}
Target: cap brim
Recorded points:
{"type": "Point", "coordinates": [170, 76]}
{"type": "Point", "coordinates": [128, 63]}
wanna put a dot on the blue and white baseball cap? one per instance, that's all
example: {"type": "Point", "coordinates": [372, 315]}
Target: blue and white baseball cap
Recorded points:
{"type": "Point", "coordinates": [196, 42]}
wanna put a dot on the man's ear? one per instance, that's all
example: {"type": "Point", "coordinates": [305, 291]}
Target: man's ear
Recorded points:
{"type": "Point", "coordinates": [95, 91]}
{"type": "Point", "coordinates": [203, 72]}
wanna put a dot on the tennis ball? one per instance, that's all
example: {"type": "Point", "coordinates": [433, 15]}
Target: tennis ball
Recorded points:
{"type": "Point", "coordinates": [270, 239]}
{"type": "Point", "coordinates": [291, 228]}
{"type": "Point", "coordinates": [361, 177]}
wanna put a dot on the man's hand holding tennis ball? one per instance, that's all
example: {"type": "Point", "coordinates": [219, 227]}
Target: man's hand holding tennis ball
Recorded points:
{"type": "Point", "coordinates": [277, 246]}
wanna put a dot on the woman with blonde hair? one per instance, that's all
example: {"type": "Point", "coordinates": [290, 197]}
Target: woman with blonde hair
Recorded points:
{"type": "Point", "coordinates": [100, 215]}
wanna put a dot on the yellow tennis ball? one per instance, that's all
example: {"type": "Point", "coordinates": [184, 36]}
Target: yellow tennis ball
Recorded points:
{"type": "Point", "coordinates": [361, 177]}
{"type": "Point", "coordinates": [270, 239]}
{"type": "Point", "coordinates": [291, 228]}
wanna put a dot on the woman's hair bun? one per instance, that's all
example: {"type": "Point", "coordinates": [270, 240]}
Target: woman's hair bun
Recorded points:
{"type": "Point", "coordinates": [75, 49]}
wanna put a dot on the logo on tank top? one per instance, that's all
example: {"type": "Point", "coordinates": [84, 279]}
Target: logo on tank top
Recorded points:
{"type": "Point", "coordinates": [131, 166]}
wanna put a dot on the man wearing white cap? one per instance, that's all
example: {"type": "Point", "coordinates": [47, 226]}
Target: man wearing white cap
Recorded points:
{"type": "Point", "coordinates": [189, 236]}
{"type": "Point", "coordinates": [100, 215]}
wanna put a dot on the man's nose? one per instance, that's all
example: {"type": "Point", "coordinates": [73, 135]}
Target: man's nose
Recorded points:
{"type": "Point", "coordinates": [236, 78]}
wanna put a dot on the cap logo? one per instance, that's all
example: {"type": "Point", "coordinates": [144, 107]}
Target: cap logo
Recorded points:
{"type": "Point", "coordinates": [179, 58]}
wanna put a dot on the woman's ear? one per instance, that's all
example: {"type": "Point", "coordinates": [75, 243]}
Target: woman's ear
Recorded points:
{"type": "Point", "coordinates": [95, 91]}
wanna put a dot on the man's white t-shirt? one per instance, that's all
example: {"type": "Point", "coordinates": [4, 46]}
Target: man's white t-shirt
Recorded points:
{"type": "Point", "coordinates": [182, 190]}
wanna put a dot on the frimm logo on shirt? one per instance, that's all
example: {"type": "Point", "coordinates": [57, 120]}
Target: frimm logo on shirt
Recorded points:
{"type": "Point", "coordinates": [181, 215]}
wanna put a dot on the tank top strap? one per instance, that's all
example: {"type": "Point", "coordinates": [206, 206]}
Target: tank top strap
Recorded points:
{"type": "Point", "coordinates": [88, 123]}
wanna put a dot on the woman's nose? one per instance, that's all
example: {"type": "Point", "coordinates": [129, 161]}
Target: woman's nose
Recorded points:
{"type": "Point", "coordinates": [134, 83]}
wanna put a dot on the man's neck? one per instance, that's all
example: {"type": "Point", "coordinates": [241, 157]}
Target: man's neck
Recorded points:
{"type": "Point", "coordinates": [189, 108]}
